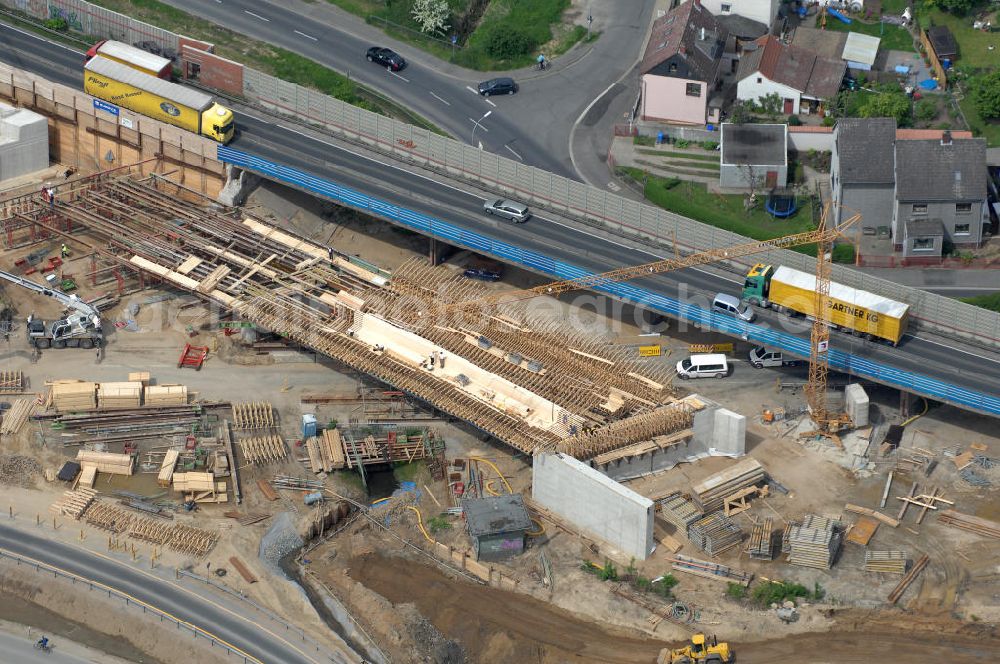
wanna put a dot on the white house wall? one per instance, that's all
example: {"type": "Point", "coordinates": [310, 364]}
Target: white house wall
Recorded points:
{"type": "Point", "coordinates": [762, 11]}
{"type": "Point", "coordinates": [749, 88]}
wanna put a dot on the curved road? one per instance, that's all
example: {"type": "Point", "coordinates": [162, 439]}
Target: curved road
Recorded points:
{"type": "Point", "coordinates": [937, 358]}
{"type": "Point", "coordinates": [224, 623]}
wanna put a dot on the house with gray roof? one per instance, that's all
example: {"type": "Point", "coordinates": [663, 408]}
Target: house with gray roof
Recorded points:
{"type": "Point", "coordinates": [754, 156]}
{"type": "Point", "coordinates": [922, 192]}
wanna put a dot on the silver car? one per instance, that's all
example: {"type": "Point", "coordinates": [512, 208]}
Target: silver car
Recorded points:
{"type": "Point", "coordinates": [516, 212]}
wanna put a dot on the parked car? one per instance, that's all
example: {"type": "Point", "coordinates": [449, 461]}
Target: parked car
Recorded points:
{"type": "Point", "coordinates": [483, 274]}
{"type": "Point", "coordinates": [516, 212]}
{"type": "Point", "coordinates": [386, 57]}
{"type": "Point", "coordinates": [498, 86]}
{"type": "Point", "coordinates": [761, 357]}
{"type": "Point", "coordinates": [703, 366]}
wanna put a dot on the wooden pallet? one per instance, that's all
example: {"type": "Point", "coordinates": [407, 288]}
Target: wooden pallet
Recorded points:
{"type": "Point", "coordinates": [759, 545]}
{"type": "Point", "coordinates": [110, 518]}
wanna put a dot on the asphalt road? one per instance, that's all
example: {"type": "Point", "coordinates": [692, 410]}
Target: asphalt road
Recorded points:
{"type": "Point", "coordinates": [194, 608]}
{"type": "Point", "coordinates": [533, 126]}
{"type": "Point", "coordinates": [452, 104]}
{"type": "Point", "coordinates": [937, 358]}
{"type": "Point", "coordinates": [15, 649]}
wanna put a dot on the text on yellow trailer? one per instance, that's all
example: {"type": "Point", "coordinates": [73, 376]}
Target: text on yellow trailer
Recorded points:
{"type": "Point", "coordinates": [851, 308]}
{"type": "Point", "coordinates": [161, 100]}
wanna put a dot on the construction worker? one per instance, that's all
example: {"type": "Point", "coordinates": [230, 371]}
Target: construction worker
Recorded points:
{"type": "Point", "coordinates": [441, 358]}
{"type": "Point", "coordinates": [64, 250]}
{"type": "Point", "coordinates": [52, 198]}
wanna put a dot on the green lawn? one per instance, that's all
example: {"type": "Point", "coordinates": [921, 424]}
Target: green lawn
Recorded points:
{"type": "Point", "coordinates": [973, 45]}
{"type": "Point", "coordinates": [692, 199]}
{"type": "Point", "coordinates": [988, 130]}
{"type": "Point", "coordinates": [894, 37]}
{"type": "Point", "coordinates": [991, 301]}
{"type": "Point", "coordinates": [712, 157]}
{"type": "Point", "coordinates": [538, 21]}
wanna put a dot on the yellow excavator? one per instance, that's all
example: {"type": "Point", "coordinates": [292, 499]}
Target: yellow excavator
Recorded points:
{"type": "Point", "coordinates": [699, 651]}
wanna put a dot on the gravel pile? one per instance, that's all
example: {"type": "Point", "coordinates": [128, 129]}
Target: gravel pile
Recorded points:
{"type": "Point", "coordinates": [19, 470]}
{"type": "Point", "coordinates": [280, 540]}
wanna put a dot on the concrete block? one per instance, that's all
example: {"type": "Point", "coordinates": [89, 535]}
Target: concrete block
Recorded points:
{"type": "Point", "coordinates": [595, 504]}
{"type": "Point", "coordinates": [24, 142]}
{"type": "Point", "coordinates": [730, 434]}
{"type": "Point", "coordinates": [857, 404]}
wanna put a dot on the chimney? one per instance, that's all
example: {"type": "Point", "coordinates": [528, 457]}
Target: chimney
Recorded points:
{"type": "Point", "coordinates": [945, 137]}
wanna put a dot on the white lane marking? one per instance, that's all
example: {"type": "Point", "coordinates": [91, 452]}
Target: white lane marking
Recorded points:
{"type": "Point", "coordinates": [443, 101]}
{"type": "Point", "coordinates": [475, 122]}
{"type": "Point", "coordinates": [296, 32]}
{"type": "Point", "coordinates": [490, 103]}
{"type": "Point", "coordinates": [514, 153]}
{"type": "Point", "coordinates": [572, 132]}
{"type": "Point", "coordinates": [34, 36]}
{"type": "Point", "coordinates": [247, 11]}
{"type": "Point", "coordinates": [464, 192]}
{"type": "Point", "coordinates": [960, 350]}
{"type": "Point", "coordinates": [469, 88]}
{"type": "Point", "coordinates": [398, 76]}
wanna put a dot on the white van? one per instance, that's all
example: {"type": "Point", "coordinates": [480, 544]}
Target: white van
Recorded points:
{"type": "Point", "coordinates": [729, 304]}
{"type": "Point", "coordinates": [704, 366]}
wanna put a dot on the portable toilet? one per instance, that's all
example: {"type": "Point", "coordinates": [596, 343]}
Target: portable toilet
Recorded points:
{"type": "Point", "coordinates": [308, 426]}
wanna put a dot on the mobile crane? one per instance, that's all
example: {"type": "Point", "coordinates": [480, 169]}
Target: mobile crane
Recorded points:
{"type": "Point", "coordinates": [80, 327]}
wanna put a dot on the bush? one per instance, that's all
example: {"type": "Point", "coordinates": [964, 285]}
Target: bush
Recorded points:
{"type": "Point", "coordinates": [776, 592]}
{"type": "Point", "coordinates": [736, 590]}
{"type": "Point", "coordinates": [664, 586]}
{"type": "Point", "coordinates": [506, 42]}
{"type": "Point", "coordinates": [926, 110]}
{"type": "Point", "coordinates": [794, 121]}
{"type": "Point", "coordinates": [943, 125]}
{"type": "Point", "coordinates": [59, 24]}
{"type": "Point", "coordinates": [682, 143]}
{"type": "Point", "coordinates": [608, 572]}
{"type": "Point", "coordinates": [829, 121]}
{"type": "Point", "coordinates": [709, 145]}
{"type": "Point", "coordinates": [644, 140]}
{"type": "Point", "coordinates": [843, 253]}
{"type": "Point", "coordinates": [438, 523]}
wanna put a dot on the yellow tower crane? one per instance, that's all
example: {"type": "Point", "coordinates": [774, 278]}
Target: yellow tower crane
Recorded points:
{"type": "Point", "coordinates": [823, 237]}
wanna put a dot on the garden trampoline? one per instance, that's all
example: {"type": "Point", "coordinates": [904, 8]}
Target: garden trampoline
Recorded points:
{"type": "Point", "coordinates": [781, 206]}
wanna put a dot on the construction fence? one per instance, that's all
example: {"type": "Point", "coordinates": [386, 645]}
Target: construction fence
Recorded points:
{"type": "Point", "coordinates": [603, 210]}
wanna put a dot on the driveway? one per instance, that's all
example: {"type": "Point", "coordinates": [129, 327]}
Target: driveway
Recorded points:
{"type": "Point", "coordinates": [533, 126]}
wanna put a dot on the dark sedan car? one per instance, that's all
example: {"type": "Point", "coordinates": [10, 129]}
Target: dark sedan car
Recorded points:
{"type": "Point", "coordinates": [483, 274]}
{"type": "Point", "coordinates": [386, 57]}
{"type": "Point", "coordinates": [498, 86]}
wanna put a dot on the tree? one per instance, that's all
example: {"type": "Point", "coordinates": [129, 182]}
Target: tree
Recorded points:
{"type": "Point", "coordinates": [986, 94]}
{"type": "Point", "coordinates": [741, 112]}
{"type": "Point", "coordinates": [926, 110]}
{"type": "Point", "coordinates": [887, 104]}
{"type": "Point", "coordinates": [431, 15]}
{"type": "Point", "coordinates": [770, 105]}
{"type": "Point", "coordinates": [959, 7]}
{"type": "Point", "coordinates": [506, 42]}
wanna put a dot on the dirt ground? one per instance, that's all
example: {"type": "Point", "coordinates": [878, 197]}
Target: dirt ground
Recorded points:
{"type": "Point", "coordinates": [415, 609]}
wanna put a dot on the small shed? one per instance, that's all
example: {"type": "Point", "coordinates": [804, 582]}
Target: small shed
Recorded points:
{"type": "Point", "coordinates": [497, 525]}
{"type": "Point", "coordinates": [860, 51]}
{"type": "Point", "coordinates": [943, 42]}
{"type": "Point", "coordinates": [757, 152]}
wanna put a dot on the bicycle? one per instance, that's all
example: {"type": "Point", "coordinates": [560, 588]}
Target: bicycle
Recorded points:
{"type": "Point", "coordinates": [44, 647]}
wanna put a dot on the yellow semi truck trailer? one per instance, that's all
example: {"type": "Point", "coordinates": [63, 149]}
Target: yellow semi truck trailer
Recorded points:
{"type": "Point", "coordinates": [853, 309]}
{"type": "Point", "coordinates": [161, 100]}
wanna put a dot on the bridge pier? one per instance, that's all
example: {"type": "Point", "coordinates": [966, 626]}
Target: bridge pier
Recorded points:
{"type": "Point", "coordinates": [905, 401]}
{"type": "Point", "coordinates": [433, 256]}
{"type": "Point", "coordinates": [239, 184]}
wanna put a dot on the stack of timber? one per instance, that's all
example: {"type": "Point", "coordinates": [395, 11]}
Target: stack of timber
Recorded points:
{"type": "Point", "coordinates": [148, 530]}
{"type": "Point", "coordinates": [759, 546]}
{"type": "Point", "coordinates": [11, 381]}
{"type": "Point", "coordinates": [200, 487]}
{"type": "Point", "coordinates": [715, 533]}
{"type": "Point", "coordinates": [263, 449]}
{"type": "Point", "coordinates": [88, 475]}
{"type": "Point", "coordinates": [711, 492]}
{"type": "Point", "coordinates": [166, 395]}
{"type": "Point", "coordinates": [814, 543]}
{"type": "Point", "coordinates": [905, 582]}
{"type": "Point", "coordinates": [119, 395]}
{"type": "Point", "coordinates": [891, 562]}
{"type": "Point", "coordinates": [166, 475]}
{"type": "Point", "coordinates": [72, 395]}
{"type": "Point", "coordinates": [973, 524]}
{"type": "Point", "coordinates": [679, 510]}
{"type": "Point", "coordinates": [139, 377]}
{"type": "Point", "coordinates": [875, 514]}
{"type": "Point", "coordinates": [15, 416]}
{"type": "Point", "coordinates": [331, 449]}
{"type": "Point", "coordinates": [107, 462]}
{"type": "Point", "coordinates": [710, 570]}
{"type": "Point", "coordinates": [73, 503]}
{"type": "Point", "coordinates": [394, 448]}
{"type": "Point", "coordinates": [192, 541]}
{"type": "Point", "coordinates": [253, 415]}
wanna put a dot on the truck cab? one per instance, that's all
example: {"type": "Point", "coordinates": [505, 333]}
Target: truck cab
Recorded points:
{"type": "Point", "coordinates": [756, 288]}
{"type": "Point", "coordinates": [761, 357]}
{"type": "Point", "coordinates": [217, 123]}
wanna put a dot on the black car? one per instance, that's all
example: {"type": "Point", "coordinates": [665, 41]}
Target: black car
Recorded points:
{"type": "Point", "coordinates": [386, 57]}
{"type": "Point", "coordinates": [498, 86]}
{"type": "Point", "coordinates": [482, 274]}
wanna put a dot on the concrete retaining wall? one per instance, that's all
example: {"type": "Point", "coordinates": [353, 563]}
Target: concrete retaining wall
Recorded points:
{"type": "Point", "coordinates": [593, 503]}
